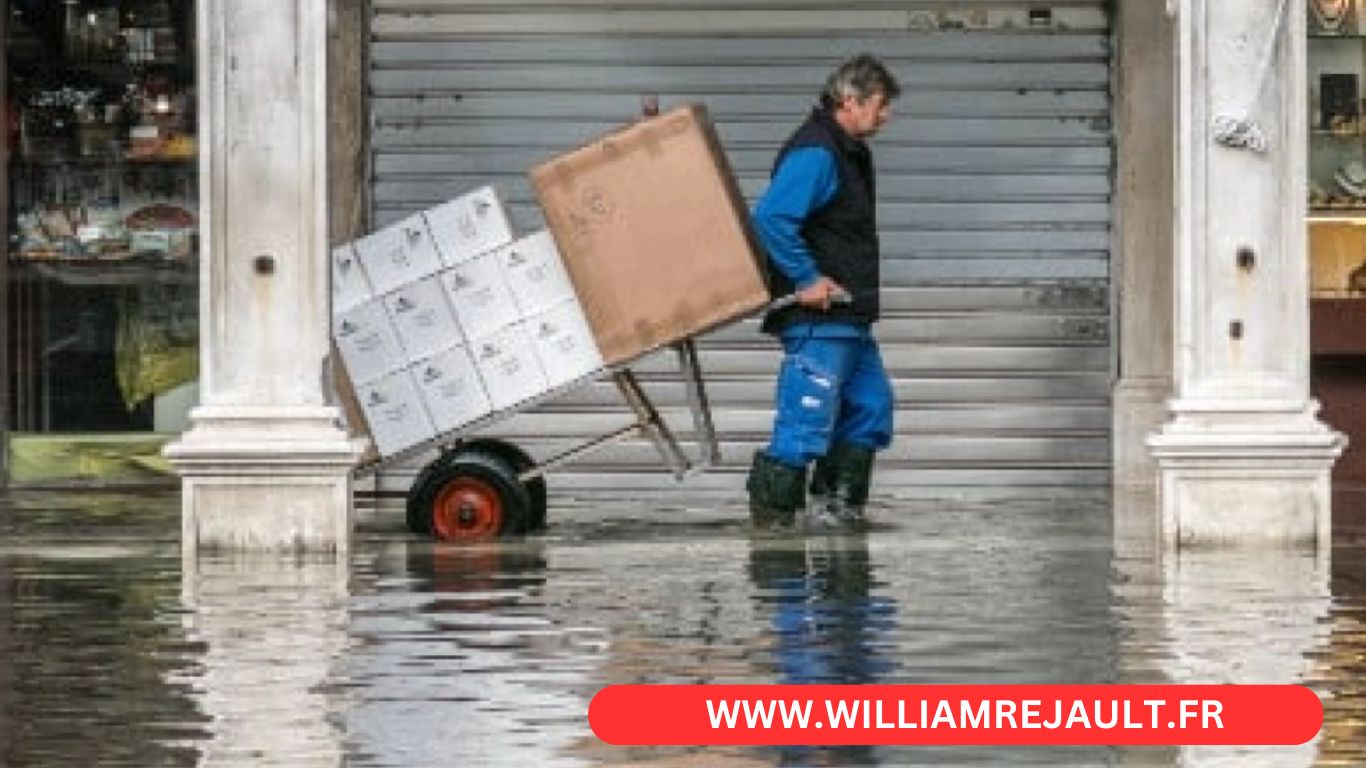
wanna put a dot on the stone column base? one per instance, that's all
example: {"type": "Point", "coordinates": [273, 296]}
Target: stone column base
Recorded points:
{"type": "Point", "coordinates": [1140, 408]}
{"type": "Point", "coordinates": [1246, 478]}
{"type": "Point", "coordinates": [265, 478]}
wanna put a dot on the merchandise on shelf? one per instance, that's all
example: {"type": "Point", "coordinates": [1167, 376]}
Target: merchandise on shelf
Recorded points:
{"type": "Point", "coordinates": [1338, 105]}
{"type": "Point", "coordinates": [161, 230]}
{"type": "Point", "coordinates": [102, 112]}
{"type": "Point", "coordinates": [1356, 280]}
{"type": "Point", "coordinates": [1333, 17]}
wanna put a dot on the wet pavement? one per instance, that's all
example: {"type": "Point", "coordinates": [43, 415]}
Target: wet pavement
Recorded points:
{"type": "Point", "coordinates": [112, 653]}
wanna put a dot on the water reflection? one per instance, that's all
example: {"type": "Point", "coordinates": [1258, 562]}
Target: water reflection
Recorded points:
{"type": "Point", "coordinates": [1339, 671]}
{"type": "Point", "coordinates": [88, 637]}
{"type": "Point", "coordinates": [477, 578]}
{"type": "Point", "coordinates": [1244, 617]}
{"type": "Point", "coordinates": [272, 628]}
{"type": "Point", "coordinates": [1136, 588]}
{"type": "Point", "coordinates": [114, 653]}
{"type": "Point", "coordinates": [827, 625]}
{"type": "Point", "coordinates": [455, 660]}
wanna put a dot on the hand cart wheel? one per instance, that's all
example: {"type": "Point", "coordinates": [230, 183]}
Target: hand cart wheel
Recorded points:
{"type": "Point", "coordinates": [520, 462]}
{"type": "Point", "coordinates": [468, 495]}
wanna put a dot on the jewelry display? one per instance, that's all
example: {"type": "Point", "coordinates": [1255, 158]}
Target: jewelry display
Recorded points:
{"type": "Point", "coordinates": [1330, 15]}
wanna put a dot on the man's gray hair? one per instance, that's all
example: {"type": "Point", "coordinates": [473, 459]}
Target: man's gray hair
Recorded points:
{"type": "Point", "coordinates": [860, 77]}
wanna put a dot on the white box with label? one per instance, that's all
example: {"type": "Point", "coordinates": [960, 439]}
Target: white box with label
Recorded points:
{"type": "Point", "coordinates": [469, 226]}
{"type": "Point", "coordinates": [480, 296]}
{"type": "Point", "coordinates": [535, 273]}
{"type": "Point", "coordinates": [564, 343]}
{"type": "Point", "coordinates": [350, 287]}
{"type": "Point", "coordinates": [368, 343]}
{"type": "Point", "coordinates": [423, 318]}
{"type": "Point", "coordinates": [451, 388]}
{"type": "Point", "coordinates": [508, 366]}
{"type": "Point", "coordinates": [399, 254]}
{"type": "Point", "coordinates": [394, 412]}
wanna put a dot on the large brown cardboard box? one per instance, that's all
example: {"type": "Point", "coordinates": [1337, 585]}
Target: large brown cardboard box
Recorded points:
{"type": "Point", "coordinates": [653, 232]}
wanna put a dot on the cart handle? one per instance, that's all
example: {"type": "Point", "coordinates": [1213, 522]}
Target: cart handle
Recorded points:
{"type": "Point", "coordinates": [839, 297]}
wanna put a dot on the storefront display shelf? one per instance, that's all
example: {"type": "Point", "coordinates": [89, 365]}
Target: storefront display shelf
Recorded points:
{"type": "Point", "coordinates": [102, 183]}
{"type": "Point", "coordinates": [1354, 214]}
{"type": "Point", "coordinates": [1337, 255]}
{"type": "Point", "coordinates": [100, 161]}
{"type": "Point", "coordinates": [1336, 73]}
{"type": "Point", "coordinates": [163, 159]}
{"type": "Point", "coordinates": [125, 271]}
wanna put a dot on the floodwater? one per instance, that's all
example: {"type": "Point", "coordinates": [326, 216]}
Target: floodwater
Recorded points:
{"type": "Point", "coordinates": [114, 653]}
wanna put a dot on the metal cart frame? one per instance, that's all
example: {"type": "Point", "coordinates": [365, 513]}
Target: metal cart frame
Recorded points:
{"type": "Point", "coordinates": [478, 488]}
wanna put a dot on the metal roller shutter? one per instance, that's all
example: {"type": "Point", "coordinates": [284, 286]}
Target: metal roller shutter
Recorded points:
{"type": "Point", "coordinates": [994, 178]}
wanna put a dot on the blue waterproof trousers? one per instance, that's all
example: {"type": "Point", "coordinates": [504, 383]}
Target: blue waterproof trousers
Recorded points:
{"type": "Point", "coordinates": [832, 388]}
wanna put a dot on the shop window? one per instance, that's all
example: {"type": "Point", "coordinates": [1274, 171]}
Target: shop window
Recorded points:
{"type": "Point", "coordinates": [1337, 223]}
{"type": "Point", "coordinates": [102, 220]}
{"type": "Point", "coordinates": [1337, 149]}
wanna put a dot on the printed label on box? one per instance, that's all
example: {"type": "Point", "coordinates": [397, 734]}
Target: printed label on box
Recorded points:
{"type": "Point", "coordinates": [508, 366]}
{"type": "Point", "coordinates": [368, 343]}
{"type": "Point", "coordinates": [451, 388]}
{"type": "Point", "coordinates": [535, 273]}
{"type": "Point", "coordinates": [469, 226]}
{"type": "Point", "coordinates": [564, 344]}
{"type": "Point", "coordinates": [423, 318]}
{"type": "Point", "coordinates": [394, 411]}
{"type": "Point", "coordinates": [350, 288]}
{"type": "Point", "coordinates": [399, 254]}
{"type": "Point", "coordinates": [480, 296]}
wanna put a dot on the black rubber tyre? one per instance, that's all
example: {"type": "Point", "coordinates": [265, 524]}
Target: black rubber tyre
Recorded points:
{"type": "Point", "coordinates": [417, 513]}
{"type": "Point", "coordinates": [520, 461]}
{"type": "Point", "coordinates": [468, 495]}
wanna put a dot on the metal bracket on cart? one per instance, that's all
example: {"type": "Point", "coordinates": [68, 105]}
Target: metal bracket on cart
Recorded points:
{"type": "Point", "coordinates": [651, 425]}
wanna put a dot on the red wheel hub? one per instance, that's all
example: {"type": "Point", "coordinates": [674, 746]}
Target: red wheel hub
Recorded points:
{"type": "Point", "coordinates": [467, 509]}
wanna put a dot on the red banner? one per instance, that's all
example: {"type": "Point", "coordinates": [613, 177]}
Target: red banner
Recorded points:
{"type": "Point", "coordinates": [955, 714]}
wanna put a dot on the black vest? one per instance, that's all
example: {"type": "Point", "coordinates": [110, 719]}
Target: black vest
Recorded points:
{"type": "Point", "coordinates": [841, 235]}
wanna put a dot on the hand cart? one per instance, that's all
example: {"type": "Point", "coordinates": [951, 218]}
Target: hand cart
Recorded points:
{"type": "Point", "coordinates": [478, 488]}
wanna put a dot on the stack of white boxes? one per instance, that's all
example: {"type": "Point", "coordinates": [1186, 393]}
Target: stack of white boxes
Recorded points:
{"type": "Point", "coordinates": [444, 318]}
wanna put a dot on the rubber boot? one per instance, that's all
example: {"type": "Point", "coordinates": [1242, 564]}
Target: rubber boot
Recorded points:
{"type": "Point", "coordinates": [819, 512]}
{"type": "Point", "coordinates": [776, 492]}
{"type": "Point", "coordinates": [841, 481]}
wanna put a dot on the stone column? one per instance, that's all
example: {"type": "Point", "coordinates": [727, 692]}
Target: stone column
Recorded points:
{"type": "Point", "coordinates": [1243, 457]}
{"type": "Point", "coordinates": [1142, 270]}
{"type": "Point", "coordinates": [265, 464]}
